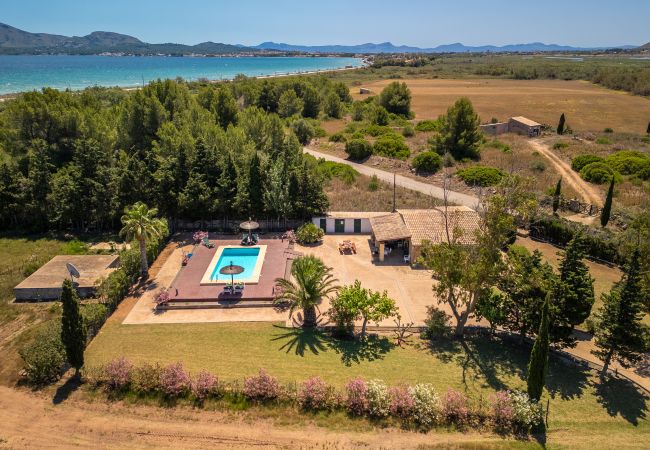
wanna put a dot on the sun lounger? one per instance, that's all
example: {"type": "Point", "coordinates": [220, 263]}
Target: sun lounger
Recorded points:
{"type": "Point", "coordinates": [207, 242]}
{"type": "Point", "coordinates": [227, 289]}
{"type": "Point", "coordinates": [239, 288]}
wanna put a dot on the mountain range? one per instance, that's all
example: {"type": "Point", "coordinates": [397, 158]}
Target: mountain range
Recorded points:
{"type": "Point", "coordinates": [16, 41]}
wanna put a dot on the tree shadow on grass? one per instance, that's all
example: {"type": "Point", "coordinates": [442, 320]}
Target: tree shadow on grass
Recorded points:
{"type": "Point", "coordinates": [300, 339]}
{"type": "Point", "coordinates": [566, 380]}
{"type": "Point", "coordinates": [621, 397]}
{"type": "Point", "coordinates": [357, 350]}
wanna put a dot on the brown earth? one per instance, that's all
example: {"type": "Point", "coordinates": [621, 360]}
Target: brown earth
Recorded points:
{"type": "Point", "coordinates": [30, 420]}
{"type": "Point", "coordinates": [587, 106]}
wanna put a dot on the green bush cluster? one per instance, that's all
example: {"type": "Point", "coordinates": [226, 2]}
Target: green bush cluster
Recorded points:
{"type": "Point", "coordinates": [330, 169]}
{"type": "Point", "coordinates": [581, 161]}
{"type": "Point", "coordinates": [44, 357]}
{"type": "Point", "coordinates": [560, 145]}
{"type": "Point", "coordinates": [392, 146]}
{"type": "Point", "coordinates": [495, 143]}
{"type": "Point", "coordinates": [628, 162]}
{"type": "Point", "coordinates": [429, 162]}
{"type": "Point", "coordinates": [338, 137]}
{"type": "Point", "coordinates": [597, 172]}
{"type": "Point", "coordinates": [480, 175]}
{"type": "Point", "coordinates": [309, 233]}
{"type": "Point", "coordinates": [427, 125]}
{"type": "Point", "coordinates": [358, 149]}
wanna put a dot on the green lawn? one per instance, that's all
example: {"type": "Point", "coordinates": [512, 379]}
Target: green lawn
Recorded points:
{"type": "Point", "coordinates": [579, 405]}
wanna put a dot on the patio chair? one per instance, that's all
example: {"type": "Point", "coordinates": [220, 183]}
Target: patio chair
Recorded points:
{"type": "Point", "coordinates": [407, 258]}
{"type": "Point", "coordinates": [239, 288]}
{"type": "Point", "coordinates": [207, 242]}
{"type": "Point", "coordinates": [256, 238]}
{"type": "Point", "coordinates": [227, 289]}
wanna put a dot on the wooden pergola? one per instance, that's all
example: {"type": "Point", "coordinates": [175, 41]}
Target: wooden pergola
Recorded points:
{"type": "Point", "coordinates": [389, 228]}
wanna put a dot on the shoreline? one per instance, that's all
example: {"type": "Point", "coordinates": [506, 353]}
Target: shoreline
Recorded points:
{"type": "Point", "coordinates": [364, 64]}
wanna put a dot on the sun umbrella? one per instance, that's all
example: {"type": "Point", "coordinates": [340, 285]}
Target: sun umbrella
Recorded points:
{"type": "Point", "coordinates": [249, 226]}
{"type": "Point", "coordinates": [231, 270]}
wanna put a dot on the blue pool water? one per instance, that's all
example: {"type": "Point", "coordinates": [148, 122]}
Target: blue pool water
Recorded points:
{"type": "Point", "coordinates": [245, 257]}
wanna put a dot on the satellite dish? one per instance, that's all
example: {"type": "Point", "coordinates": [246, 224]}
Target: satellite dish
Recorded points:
{"type": "Point", "coordinates": [72, 270]}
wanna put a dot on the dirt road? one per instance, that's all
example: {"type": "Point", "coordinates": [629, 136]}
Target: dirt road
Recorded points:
{"type": "Point", "coordinates": [588, 193]}
{"type": "Point", "coordinates": [29, 420]}
{"type": "Point", "coordinates": [428, 189]}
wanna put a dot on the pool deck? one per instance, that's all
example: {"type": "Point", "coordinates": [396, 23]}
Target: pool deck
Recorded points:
{"type": "Point", "coordinates": [187, 285]}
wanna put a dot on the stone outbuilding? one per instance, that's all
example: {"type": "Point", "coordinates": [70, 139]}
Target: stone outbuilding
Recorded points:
{"type": "Point", "coordinates": [520, 125]}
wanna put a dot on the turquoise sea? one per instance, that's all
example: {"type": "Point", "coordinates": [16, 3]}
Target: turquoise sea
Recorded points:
{"type": "Point", "coordinates": [28, 72]}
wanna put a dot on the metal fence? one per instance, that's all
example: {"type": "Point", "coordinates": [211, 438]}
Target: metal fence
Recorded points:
{"type": "Point", "coordinates": [232, 225]}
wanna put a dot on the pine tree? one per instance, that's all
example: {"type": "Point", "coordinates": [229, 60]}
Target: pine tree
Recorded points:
{"type": "Point", "coordinates": [560, 125]}
{"type": "Point", "coordinates": [255, 186]}
{"type": "Point", "coordinates": [73, 334]}
{"type": "Point", "coordinates": [538, 364]}
{"type": "Point", "coordinates": [556, 195]}
{"type": "Point", "coordinates": [620, 333]}
{"type": "Point", "coordinates": [607, 208]}
{"type": "Point", "coordinates": [575, 291]}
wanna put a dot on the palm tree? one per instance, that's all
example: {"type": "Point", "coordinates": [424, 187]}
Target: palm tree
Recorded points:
{"type": "Point", "coordinates": [313, 281]}
{"type": "Point", "coordinates": [140, 223]}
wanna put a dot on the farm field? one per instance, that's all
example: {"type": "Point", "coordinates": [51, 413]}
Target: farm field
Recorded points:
{"type": "Point", "coordinates": [588, 107]}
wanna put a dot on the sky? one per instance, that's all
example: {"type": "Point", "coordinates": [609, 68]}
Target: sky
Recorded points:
{"type": "Point", "coordinates": [584, 23]}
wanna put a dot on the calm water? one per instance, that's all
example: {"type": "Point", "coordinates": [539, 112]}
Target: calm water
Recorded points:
{"type": "Point", "coordinates": [28, 72]}
{"type": "Point", "coordinates": [244, 257]}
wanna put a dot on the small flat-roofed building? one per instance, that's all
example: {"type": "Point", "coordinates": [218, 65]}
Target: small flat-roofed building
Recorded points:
{"type": "Point", "coordinates": [45, 283]}
{"type": "Point", "coordinates": [346, 222]}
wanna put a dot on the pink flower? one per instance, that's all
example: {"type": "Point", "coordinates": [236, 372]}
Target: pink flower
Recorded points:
{"type": "Point", "coordinates": [174, 381]}
{"type": "Point", "coordinates": [357, 396]}
{"type": "Point", "coordinates": [401, 401]}
{"type": "Point", "coordinates": [261, 387]}
{"type": "Point", "coordinates": [204, 384]}
{"type": "Point", "coordinates": [118, 373]}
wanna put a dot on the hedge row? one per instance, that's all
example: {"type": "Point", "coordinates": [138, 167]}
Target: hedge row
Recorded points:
{"type": "Point", "coordinates": [598, 244]}
{"type": "Point", "coordinates": [418, 406]}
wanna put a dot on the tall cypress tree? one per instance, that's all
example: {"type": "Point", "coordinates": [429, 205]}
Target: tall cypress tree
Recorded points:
{"type": "Point", "coordinates": [538, 363]}
{"type": "Point", "coordinates": [647, 130]}
{"type": "Point", "coordinates": [73, 334]}
{"type": "Point", "coordinates": [607, 208]}
{"type": "Point", "coordinates": [620, 333]}
{"type": "Point", "coordinates": [255, 186]}
{"type": "Point", "coordinates": [556, 195]}
{"type": "Point", "coordinates": [560, 125]}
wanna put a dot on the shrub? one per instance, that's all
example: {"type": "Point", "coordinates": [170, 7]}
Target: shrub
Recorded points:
{"type": "Point", "coordinates": [538, 166]}
{"type": "Point", "coordinates": [480, 175]}
{"type": "Point", "coordinates": [337, 137]}
{"type": "Point", "coordinates": [198, 236]}
{"type": "Point", "coordinates": [597, 172]}
{"type": "Point", "coordinates": [357, 111]}
{"type": "Point", "coordinates": [118, 373]}
{"type": "Point", "coordinates": [401, 402]}
{"type": "Point", "coordinates": [44, 357]}
{"type": "Point", "coordinates": [161, 297]}
{"type": "Point", "coordinates": [378, 398]}
{"type": "Point", "coordinates": [603, 140]}
{"type": "Point", "coordinates": [377, 130]}
{"type": "Point", "coordinates": [174, 380]}
{"type": "Point", "coordinates": [146, 378]}
{"type": "Point", "coordinates": [560, 145]}
{"type": "Point", "coordinates": [495, 143]}
{"type": "Point", "coordinates": [608, 130]}
{"type": "Point", "coordinates": [527, 414]}
{"type": "Point", "coordinates": [378, 115]}
{"type": "Point", "coordinates": [455, 407]}
{"type": "Point", "coordinates": [429, 162]}
{"type": "Point", "coordinates": [436, 322]}
{"type": "Point", "coordinates": [426, 405]}
{"type": "Point", "coordinates": [316, 394]}
{"type": "Point", "coordinates": [396, 98]}
{"type": "Point", "coordinates": [580, 161]}
{"type": "Point", "coordinates": [331, 169]}
{"type": "Point", "coordinates": [392, 146]}
{"type": "Point", "coordinates": [373, 185]}
{"type": "Point", "coordinates": [627, 162]}
{"type": "Point", "coordinates": [75, 247]}
{"type": "Point", "coordinates": [309, 233]}
{"type": "Point", "coordinates": [426, 125]}
{"type": "Point", "coordinates": [502, 410]}
{"type": "Point", "coordinates": [94, 315]}
{"type": "Point", "coordinates": [408, 131]}
{"type": "Point", "coordinates": [358, 149]}
{"type": "Point", "coordinates": [356, 400]}
{"type": "Point", "coordinates": [204, 385]}
{"type": "Point", "coordinates": [261, 387]}
{"type": "Point", "coordinates": [303, 130]}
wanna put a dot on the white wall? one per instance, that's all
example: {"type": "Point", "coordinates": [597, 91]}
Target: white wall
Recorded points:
{"type": "Point", "coordinates": [349, 225]}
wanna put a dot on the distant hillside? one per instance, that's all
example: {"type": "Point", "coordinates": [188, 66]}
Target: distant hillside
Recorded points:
{"type": "Point", "coordinates": [16, 41]}
{"type": "Point", "coordinates": [387, 47]}
{"type": "Point", "coordinates": [645, 46]}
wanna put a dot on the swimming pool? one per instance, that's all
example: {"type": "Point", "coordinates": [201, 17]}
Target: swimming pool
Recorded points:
{"type": "Point", "coordinates": [250, 258]}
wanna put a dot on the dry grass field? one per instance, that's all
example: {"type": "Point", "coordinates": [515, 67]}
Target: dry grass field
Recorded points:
{"type": "Point", "coordinates": [587, 107]}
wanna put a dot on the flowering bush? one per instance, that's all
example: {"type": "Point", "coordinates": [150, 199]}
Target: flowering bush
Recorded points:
{"type": "Point", "coordinates": [527, 414]}
{"type": "Point", "coordinates": [290, 236]}
{"type": "Point", "coordinates": [161, 297]}
{"type": "Point", "coordinates": [401, 402]}
{"type": "Point", "coordinates": [378, 398]}
{"type": "Point", "coordinates": [261, 387]}
{"type": "Point", "coordinates": [199, 236]}
{"type": "Point", "coordinates": [426, 405]}
{"type": "Point", "coordinates": [455, 408]}
{"type": "Point", "coordinates": [174, 381]}
{"type": "Point", "coordinates": [146, 378]}
{"type": "Point", "coordinates": [316, 394]}
{"type": "Point", "coordinates": [502, 409]}
{"type": "Point", "coordinates": [356, 400]}
{"type": "Point", "coordinates": [204, 385]}
{"type": "Point", "coordinates": [118, 373]}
